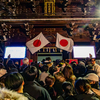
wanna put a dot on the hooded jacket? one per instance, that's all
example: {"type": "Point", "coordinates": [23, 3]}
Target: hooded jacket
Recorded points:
{"type": "Point", "coordinates": [6, 94]}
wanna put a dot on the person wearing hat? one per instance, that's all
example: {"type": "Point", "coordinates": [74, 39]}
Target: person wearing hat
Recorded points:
{"type": "Point", "coordinates": [89, 69]}
{"type": "Point", "coordinates": [94, 82]}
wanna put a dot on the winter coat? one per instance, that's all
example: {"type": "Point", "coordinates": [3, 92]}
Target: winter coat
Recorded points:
{"type": "Point", "coordinates": [6, 94]}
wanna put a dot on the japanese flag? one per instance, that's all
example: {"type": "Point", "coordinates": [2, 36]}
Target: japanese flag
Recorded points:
{"type": "Point", "coordinates": [37, 43]}
{"type": "Point", "coordinates": [64, 43]}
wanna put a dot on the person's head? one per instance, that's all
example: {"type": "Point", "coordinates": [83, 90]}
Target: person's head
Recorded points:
{"type": "Point", "coordinates": [10, 63]}
{"type": "Point", "coordinates": [67, 87]}
{"type": "Point", "coordinates": [92, 61]}
{"type": "Point", "coordinates": [48, 59]}
{"type": "Point", "coordinates": [45, 68]}
{"type": "Point", "coordinates": [14, 81]}
{"type": "Point", "coordinates": [82, 86]}
{"type": "Point", "coordinates": [60, 77]}
{"type": "Point", "coordinates": [73, 64]}
{"type": "Point", "coordinates": [73, 79]}
{"type": "Point", "coordinates": [50, 80]}
{"type": "Point", "coordinates": [89, 67]}
{"type": "Point", "coordinates": [87, 61]}
{"type": "Point", "coordinates": [58, 61]}
{"type": "Point", "coordinates": [67, 71]}
{"type": "Point", "coordinates": [92, 77]}
{"type": "Point", "coordinates": [30, 73]}
{"type": "Point", "coordinates": [50, 64]}
{"type": "Point", "coordinates": [26, 61]}
{"type": "Point", "coordinates": [35, 64]}
{"type": "Point", "coordinates": [93, 80]}
{"type": "Point", "coordinates": [81, 63]}
{"type": "Point", "coordinates": [11, 66]}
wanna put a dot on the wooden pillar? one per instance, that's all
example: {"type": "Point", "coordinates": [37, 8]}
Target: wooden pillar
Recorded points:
{"type": "Point", "coordinates": [28, 54]}
{"type": "Point", "coordinates": [70, 55]}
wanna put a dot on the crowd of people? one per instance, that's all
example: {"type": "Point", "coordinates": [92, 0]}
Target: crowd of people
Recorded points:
{"type": "Point", "coordinates": [49, 80]}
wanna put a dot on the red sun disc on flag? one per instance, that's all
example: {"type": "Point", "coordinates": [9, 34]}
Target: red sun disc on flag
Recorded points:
{"type": "Point", "coordinates": [37, 43]}
{"type": "Point", "coordinates": [63, 42]}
